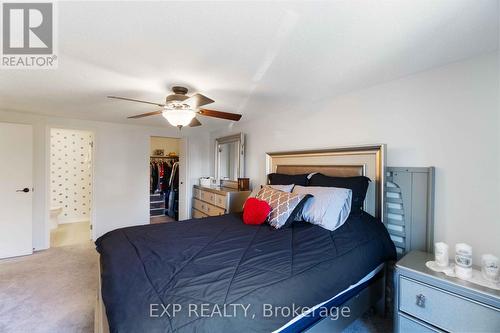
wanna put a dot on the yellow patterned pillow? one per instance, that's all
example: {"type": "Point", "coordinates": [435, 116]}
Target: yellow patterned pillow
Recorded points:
{"type": "Point", "coordinates": [284, 206]}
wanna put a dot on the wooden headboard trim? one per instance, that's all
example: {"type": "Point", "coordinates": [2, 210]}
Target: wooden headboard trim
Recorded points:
{"type": "Point", "coordinates": [328, 170]}
{"type": "Point", "coordinates": [345, 161]}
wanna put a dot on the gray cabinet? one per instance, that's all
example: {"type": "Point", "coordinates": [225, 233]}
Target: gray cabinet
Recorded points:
{"type": "Point", "coordinates": [427, 301]}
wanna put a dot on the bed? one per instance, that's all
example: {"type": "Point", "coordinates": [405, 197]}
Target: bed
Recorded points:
{"type": "Point", "coordinates": [217, 274]}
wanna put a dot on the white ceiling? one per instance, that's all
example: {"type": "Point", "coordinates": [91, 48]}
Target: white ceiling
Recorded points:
{"type": "Point", "coordinates": [248, 56]}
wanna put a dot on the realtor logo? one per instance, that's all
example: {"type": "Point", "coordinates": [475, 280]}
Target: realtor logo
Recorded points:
{"type": "Point", "coordinates": [28, 35]}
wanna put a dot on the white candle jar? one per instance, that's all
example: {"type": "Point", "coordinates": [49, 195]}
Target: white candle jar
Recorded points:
{"type": "Point", "coordinates": [463, 261]}
{"type": "Point", "coordinates": [463, 255]}
{"type": "Point", "coordinates": [441, 256]}
{"type": "Point", "coordinates": [490, 267]}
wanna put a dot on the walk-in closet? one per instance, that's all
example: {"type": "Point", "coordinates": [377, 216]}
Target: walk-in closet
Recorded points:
{"type": "Point", "coordinates": [164, 180]}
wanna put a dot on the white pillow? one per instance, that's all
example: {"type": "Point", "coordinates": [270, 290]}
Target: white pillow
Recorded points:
{"type": "Point", "coordinates": [283, 188]}
{"type": "Point", "coordinates": [329, 207]}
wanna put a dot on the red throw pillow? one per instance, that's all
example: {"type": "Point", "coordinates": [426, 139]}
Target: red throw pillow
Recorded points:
{"type": "Point", "coordinates": [256, 211]}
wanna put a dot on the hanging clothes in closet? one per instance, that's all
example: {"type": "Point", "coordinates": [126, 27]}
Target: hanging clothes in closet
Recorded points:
{"type": "Point", "coordinates": [165, 186]}
{"type": "Point", "coordinates": [173, 198]}
{"type": "Point", "coordinates": [153, 181]}
{"type": "Point", "coordinates": [164, 180]}
{"type": "Point", "coordinates": [160, 175]}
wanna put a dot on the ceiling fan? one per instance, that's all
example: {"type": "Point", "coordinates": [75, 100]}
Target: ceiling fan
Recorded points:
{"type": "Point", "coordinates": [180, 110]}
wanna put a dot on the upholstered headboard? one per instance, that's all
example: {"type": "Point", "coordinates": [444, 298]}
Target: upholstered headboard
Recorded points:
{"type": "Point", "coordinates": [366, 161]}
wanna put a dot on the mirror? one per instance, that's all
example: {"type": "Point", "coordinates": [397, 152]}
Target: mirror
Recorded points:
{"type": "Point", "coordinates": [230, 157]}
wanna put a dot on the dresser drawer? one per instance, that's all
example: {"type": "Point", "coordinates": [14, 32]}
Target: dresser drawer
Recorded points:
{"type": "Point", "coordinates": [207, 196]}
{"type": "Point", "coordinates": [207, 208]}
{"type": "Point", "coordinates": [212, 210]}
{"type": "Point", "coordinates": [198, 214]}
{"type": "Point", "coordinates": [203, 195]}
{"type": "Point", "coordinates": [410, 325]}
{"type": "Point", "coordinates": [199, 205]}
{"type": "Point", "coordinates": [446, 310]}
{"type": "Point", "coordinates": [197, 193]}
{"type": "Point", "coordinates": [210, 197]}
{"type": "Point", "coordinates": [220, 201]}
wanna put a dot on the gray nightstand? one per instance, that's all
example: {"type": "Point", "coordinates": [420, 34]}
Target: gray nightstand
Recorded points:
{"type": "Point", "coordinates": [428, 301]}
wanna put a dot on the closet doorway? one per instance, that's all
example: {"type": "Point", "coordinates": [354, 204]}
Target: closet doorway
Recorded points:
{"type": "Point", "coordinates": [71, 186]}
{"type": "Point", "coordinates": [164, 179]}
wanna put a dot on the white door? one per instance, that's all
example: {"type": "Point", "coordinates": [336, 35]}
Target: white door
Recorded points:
{"type": "Point", "coordinates": [16, 182]}
{"type": "Point", "coordinates": [183, 193]}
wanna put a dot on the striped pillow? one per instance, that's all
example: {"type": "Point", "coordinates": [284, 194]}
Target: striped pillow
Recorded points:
{"type": "Point", "coordinates": [284, 206]}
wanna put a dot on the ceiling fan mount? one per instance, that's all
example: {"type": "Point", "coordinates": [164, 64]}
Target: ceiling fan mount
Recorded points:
{"type": "Point", "coordinates": [180, 109]}
{"type": "Point", "coordinates": [179, 90]}
{"type": "Point", "coordinates": [179, 95]}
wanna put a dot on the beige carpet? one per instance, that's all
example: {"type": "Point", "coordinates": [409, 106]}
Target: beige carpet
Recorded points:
{"type": "Point", "coordinates": [70, 234]}
{"type": "Point", "coordinates": [50, 291]}
{"type": "Point", "coordinates": [161, 219]}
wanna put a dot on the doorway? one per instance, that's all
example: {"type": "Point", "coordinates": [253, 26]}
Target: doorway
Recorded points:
{"type": "Point", "coordinates": [71, 184]}
{"type": "Point", "coordinates": [164, 179]}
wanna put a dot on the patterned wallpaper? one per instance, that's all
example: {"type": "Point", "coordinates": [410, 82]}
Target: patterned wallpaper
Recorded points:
{"type": "Point", "coordinates": [71, 173]}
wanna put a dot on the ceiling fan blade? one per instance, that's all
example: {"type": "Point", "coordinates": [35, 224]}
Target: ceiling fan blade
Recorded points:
{"type": "Point", "coordinates": [135, 100]}
{"type": "Point", "coordinates": [195, 122]}
{"type": "Point", "coordinates": [147, 114]}
{"type": "Point", "coordinates": [219, 114]}
{"type": "Point", "coordinates": [198, 100]}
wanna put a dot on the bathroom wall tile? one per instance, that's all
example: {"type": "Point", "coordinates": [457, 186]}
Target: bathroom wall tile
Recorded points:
{"type": "Point", "coordinates": [71, 173]}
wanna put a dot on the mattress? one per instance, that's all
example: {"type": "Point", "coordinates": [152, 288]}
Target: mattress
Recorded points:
{"type": "Point", "coordinates": [221, 274]}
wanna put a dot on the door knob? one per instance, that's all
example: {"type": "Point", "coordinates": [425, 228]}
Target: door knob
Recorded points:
{"type": "Point", "coordinates": [25, 190]}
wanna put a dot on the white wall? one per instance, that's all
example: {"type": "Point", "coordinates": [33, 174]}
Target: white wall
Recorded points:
{"type": "Point", "coordinates": [199, 147]}
{"type": "Point", "coordinates": [169, 145]}
{"type": "Point", "coordinates": [121, 171]}
{"type": "Point", "coordinates": [447, 117]}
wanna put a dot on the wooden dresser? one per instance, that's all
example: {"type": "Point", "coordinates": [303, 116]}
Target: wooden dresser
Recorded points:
{"type": "Point", "coordinates": [213, 201]}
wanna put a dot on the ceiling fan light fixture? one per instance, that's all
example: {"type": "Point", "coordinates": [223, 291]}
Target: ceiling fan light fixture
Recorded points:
{"type": "Point", "coordinates": [180, 109]}
{"type": "Point", "coordinates": [179, 117]}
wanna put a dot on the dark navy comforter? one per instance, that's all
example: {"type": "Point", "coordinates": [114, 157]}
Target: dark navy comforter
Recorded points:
{"type": "Point", "coordinates": [220, 275]}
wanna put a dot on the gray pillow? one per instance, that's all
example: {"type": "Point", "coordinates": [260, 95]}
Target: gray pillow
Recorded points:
{"type": "Point", "coordinates": [329, 207]}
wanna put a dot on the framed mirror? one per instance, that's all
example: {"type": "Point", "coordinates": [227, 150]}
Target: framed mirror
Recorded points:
{"type": "Point", "coordinates": [229, 158]}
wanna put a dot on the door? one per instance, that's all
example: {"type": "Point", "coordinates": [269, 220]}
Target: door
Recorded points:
{"type": "Point", "coordinates": [16, 181]}
{"type": "Point", "coordinates": [183, 165]}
